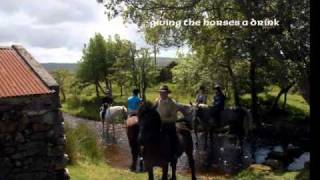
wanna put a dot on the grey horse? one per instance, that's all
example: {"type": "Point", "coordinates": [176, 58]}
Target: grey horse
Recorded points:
{"type": "Point", "coordinates": [234, 120]}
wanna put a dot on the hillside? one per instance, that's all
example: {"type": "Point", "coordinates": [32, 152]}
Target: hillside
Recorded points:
{"type": "Point", "coordinates": [162, 61]}
{"type": "Point", "coordinates": [55, 66]}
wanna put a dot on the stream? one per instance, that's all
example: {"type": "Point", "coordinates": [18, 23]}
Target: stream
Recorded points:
{"type": "Point", "coordinates": [222, 159]}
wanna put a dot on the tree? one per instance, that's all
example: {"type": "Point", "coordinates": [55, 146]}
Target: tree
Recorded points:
{"type": "Point", "coordinates": [61, 76]}
{"type": "Point", "coordinates": [95, 65]}
{"type": "Point", "coordinates": [146, 71]}
{"type": "Point", "coordinates": [122, 66]}
{"type": "Point", "coordinates": [152, 37]}
{"type": "Point", "coordinates": [133, 53]}
{"type": "Point", "coordinates": [255, 45]}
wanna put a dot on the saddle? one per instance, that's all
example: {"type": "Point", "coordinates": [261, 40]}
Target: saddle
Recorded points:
{"type": "Point", "coordinates": [132, 120]}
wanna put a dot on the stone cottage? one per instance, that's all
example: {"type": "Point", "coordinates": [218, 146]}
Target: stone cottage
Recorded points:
{"type": "Point", "coordinates": [32, 141]}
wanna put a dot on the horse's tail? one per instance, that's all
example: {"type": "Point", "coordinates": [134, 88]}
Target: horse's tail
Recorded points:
{"type": "Point", "coordinates": [124, 112]}
{"type": "Point", "coordinates": [248, 123]}
{"type": "Point", "coordinates": [102, 112]}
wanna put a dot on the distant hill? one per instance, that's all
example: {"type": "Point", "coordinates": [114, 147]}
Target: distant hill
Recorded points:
{"type": "Point", "coordinates": [162, 61]}
{"type": "Point", "coordinates": [55, 66]}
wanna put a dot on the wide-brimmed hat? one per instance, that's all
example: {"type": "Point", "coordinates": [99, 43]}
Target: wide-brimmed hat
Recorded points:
{"type": "Point", "coordinates": [164, 88]}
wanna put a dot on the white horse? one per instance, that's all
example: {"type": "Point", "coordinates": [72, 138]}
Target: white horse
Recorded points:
{"type": "Point", "coordinates": [108, 114]}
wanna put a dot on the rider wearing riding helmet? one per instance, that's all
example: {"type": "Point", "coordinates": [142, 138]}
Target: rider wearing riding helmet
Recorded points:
{"type": "Point", "coordinates": [218, 103]}
{"type": "Point", "coordinates": [167, 109]}
{"type": "Point", "coordinates": [134, 102]}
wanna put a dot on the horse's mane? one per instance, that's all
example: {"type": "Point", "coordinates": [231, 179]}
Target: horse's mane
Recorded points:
{"type": "Point", "coordinates": [148, 114]}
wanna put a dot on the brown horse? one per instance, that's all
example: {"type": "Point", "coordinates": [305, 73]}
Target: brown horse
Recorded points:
{"type": "Point", "coordinates": [156, 146]}
{"type": "Point", "coordinates": [132, 130]}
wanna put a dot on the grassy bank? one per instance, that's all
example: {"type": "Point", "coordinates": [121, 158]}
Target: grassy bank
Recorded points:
{"type": "Point", "coordinates": [87, 158]}
{"type": "Point", "coordinates": [101, 171]}
{"type": "Point", "coordinates": [252, 175]}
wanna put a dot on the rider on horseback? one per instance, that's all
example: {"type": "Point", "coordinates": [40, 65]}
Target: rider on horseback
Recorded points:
{"type": "Point", "coordinates": [108, 100]}
{"type": "Point", "coordinates": [218, 104]}
{"type": "Point", "coordinates": [167, 109]}
{"type": "Point", "coordinates": [201, 98]}
{"type": "Point", "coordinates": [134, 102]}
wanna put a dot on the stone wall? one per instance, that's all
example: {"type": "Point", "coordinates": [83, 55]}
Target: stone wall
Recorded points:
{"type": "Point", "coordinates": [32, 141]}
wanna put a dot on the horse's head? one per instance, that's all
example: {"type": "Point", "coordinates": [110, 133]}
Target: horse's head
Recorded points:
{"type": "Point", "coordinates": [149, 123]}
{"type": "Point", "coordinates": [188, 111]}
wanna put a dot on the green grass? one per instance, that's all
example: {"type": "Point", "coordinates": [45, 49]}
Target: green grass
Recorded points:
{"type": "Point", "coordinates": [253, 175]}
{"type": "Point", "coordinates": [101, 171]}
{"type": "Point", "coordinates": [82, 144]}
{"type": "Point", "coordinates": [87, 158]}
{"type": "Point", "coordinates": [296, 106]}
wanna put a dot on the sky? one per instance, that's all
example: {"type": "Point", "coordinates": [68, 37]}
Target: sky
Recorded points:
{"type": "Point", "coordinates": [56, 30]}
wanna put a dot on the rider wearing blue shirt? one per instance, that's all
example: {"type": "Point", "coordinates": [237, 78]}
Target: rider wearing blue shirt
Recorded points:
{"type": "Point", "coordinates": [134, 102]}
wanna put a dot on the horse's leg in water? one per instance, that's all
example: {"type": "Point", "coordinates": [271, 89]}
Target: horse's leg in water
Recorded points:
{"type": "Point", "coordinates": [211, 136]}
{"type": "Point", "coordinates": [189, 152]}
{"type": "Point", "coordinates": [140, 162]}
{"type": "Point", "coordinates": [205, 139]}
{"type": "Point", "coordinates": [113, 131]}
{"type": "Point", "coordinates": [107, 129]}
{"type": "Point", "coordinates": [174, 169]}
{"type": "Point", "coordinates": [165, 172]}
{"type": "Point", "coordinates": [196, 133]}
{"type": "Point", "coordinates": [103, 132]}
{"type": "Point", "coordinates": [197, 138]}
{"type": "Point", "coordinates": [134, 153]}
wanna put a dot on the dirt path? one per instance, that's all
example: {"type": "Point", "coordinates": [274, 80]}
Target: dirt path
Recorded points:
{"type": "Point", "coordinates": [118, 154]}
